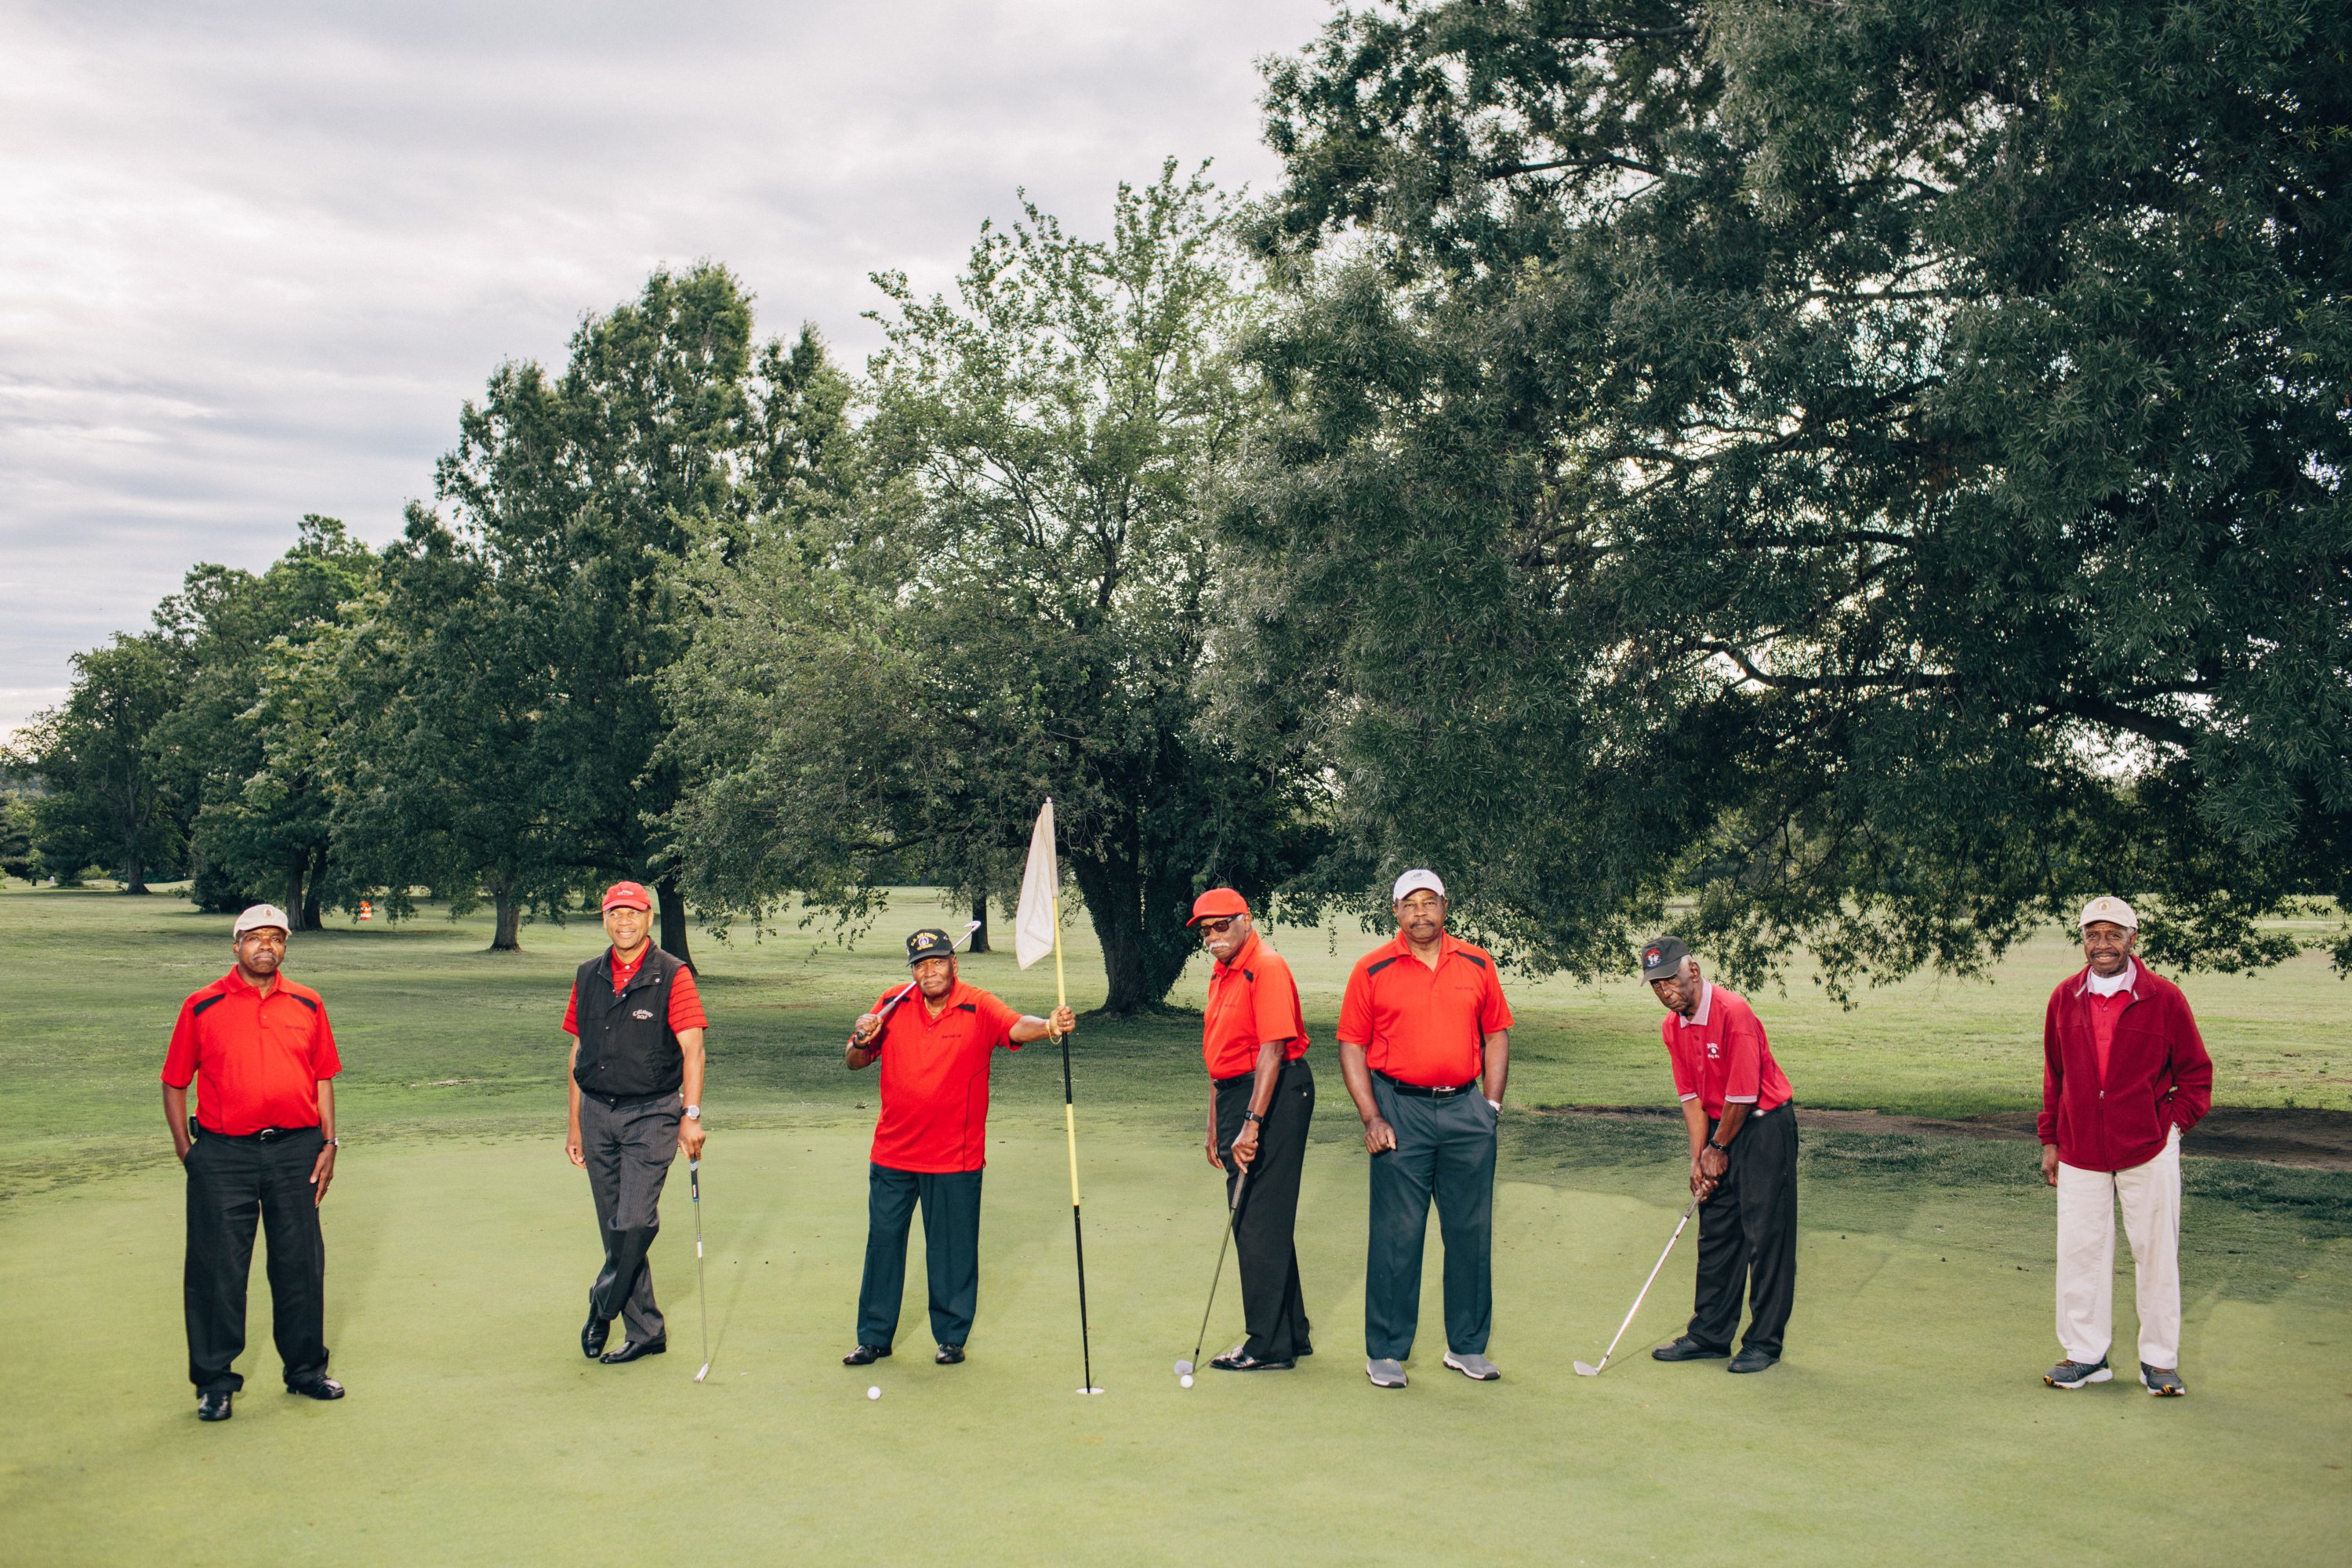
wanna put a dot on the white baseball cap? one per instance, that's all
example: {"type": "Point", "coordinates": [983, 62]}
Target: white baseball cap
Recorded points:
{"type": "Point", "coordinates": [259, 915]}
{"type": "Point", "coordinates": [2108, 908]}
{"type": "Point", "coordinates": [1413, 881]}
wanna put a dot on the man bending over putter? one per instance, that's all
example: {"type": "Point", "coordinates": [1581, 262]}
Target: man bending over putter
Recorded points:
{"type": "Point", "coordinates": [1425, 1047]}
{"type": "Point", "coordinates": [1743, 1143]}
{"type": "Point", "coordinates": [1260, 1102]}
{"type": "Point", "coordinates": [636, 1024]}
{"type": "Point", "coordinates": [936, 1040]}
{"type": "Point", "coordinates": [261, 1147]}
{"type": "Point", "coordinates": [2124, 1075]}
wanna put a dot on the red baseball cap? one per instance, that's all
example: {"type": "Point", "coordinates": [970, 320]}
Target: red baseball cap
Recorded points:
{"type": "Point", "coordinates": [1215, 902]}
{"type": "Point", "coordinates": [628, 896]}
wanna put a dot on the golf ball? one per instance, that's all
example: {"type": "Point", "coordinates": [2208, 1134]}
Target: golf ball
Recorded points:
{"type": "Point", "coordinates": [873, 1394]}
{"type": "Point", "coordinates": [1186, 1380]}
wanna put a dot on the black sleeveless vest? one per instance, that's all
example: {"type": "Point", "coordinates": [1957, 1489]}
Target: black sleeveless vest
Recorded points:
{"type": "Point", "coordinates": [626, 1048]}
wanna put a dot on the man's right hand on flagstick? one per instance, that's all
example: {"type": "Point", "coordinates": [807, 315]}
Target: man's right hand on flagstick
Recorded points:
{"type": "Point", "coordinates": [1062, 1020]}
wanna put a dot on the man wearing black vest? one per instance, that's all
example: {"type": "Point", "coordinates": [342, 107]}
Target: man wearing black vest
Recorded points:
{"type": "Point", "coordinates": [636, 1100]}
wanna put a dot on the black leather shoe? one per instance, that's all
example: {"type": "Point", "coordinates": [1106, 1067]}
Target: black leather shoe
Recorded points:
{"type": "Point", "coordinates": [629, 1352]}
{"type": "Point", "coordinates": [319, 1387]}
{"type": "Point", "coordinates": [592, 1334]}
{"type": "Point", "coordinates": [949, 1355]}
{"type": "Point", "coordinates": [1234, 1361]}
{"type": "Point", "coordinates": [214, 1406]}
{"type": "Point", "coordinates": [865, 1356]}
{"type": "Point", "coordinates": [1686, 1349]}
{"type": "Point", "coordinates": [1753, 1360]}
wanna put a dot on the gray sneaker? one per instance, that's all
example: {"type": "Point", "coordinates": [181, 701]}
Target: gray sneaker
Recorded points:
{"type": "Point", "coordinates": [2075, 1373]}
{"type": "Point", "coordinates": [2164, 1382]}
{"type": "Point", "coordinates": [1385, 1374]}
{"type": "Point", "coordinates": [1474, 1366]}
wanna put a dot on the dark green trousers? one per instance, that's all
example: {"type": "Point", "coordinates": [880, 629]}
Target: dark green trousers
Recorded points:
{"type": "Point", "coordinates": [1445, 1151]}
{"type": "Point", "coordinates": [951, 1203]}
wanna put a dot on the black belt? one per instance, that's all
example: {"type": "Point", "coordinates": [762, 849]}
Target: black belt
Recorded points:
{"type": "Point", "coordinates": [1288, 1062]}
{"type": "Point", "coordinates": [616, 1102]}
{"type": "Point", "coordinates": [267, 1135]}
{"type": "Point", "coordinates": [1422, 1091]}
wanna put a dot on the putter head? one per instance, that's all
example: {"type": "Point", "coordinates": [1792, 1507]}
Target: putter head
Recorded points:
{"type": "Point", "coordinates": [1586, 1369]}
{"type": "Point", "coordinates": [1184, 1369]}
{"type": "Point", "coordinates": [703, 1374]}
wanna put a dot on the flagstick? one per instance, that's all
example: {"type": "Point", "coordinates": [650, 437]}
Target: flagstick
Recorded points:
{"type": "Point", "coordinates": [1070, 1128]}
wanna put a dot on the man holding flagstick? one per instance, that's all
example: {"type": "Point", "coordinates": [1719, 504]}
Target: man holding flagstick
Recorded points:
{"type": "Point", "coordinates": [931, 1141]}
{"type": "Point", "coordinates": [1037, 930]}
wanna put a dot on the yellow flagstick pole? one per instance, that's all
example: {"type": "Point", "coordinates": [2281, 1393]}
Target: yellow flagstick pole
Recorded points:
{"type": "Point", "coordinates": [1070, 1129]}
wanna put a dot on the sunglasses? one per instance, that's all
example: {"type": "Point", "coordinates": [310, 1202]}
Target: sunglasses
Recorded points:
{"type": "Point", "coordinates": [1219, 927]}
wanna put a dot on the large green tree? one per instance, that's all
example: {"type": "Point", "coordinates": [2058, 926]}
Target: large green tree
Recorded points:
{"type": "Point", "coordinates": [580, 494]}
{"type": "Point", "coordinates": [106, 792]}
{"type": "Point", "coordinates": [1021, 603]}
{"type": "Point", "coordinates": [1878, 465]}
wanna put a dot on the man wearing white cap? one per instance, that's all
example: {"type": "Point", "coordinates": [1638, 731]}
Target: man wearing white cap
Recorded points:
{"type": "Point", "coordinates": [1425, 1049]}
{"type": "Point", "coordinates": [2124, 1075]}
{"type": "Point", "coordinates": [259, 1149]}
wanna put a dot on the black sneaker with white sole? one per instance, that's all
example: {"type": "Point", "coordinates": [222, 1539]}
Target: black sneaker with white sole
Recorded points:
{"type": "Point", "coordinates": [2164, 1382]}
{"type": "Point", "coordinates": [2075, 1373]}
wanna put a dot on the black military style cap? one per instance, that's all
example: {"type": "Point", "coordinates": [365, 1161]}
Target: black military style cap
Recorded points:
{"type": "Point", "coordinates": [1662, 959]}
{"type": "Point", "coordinates": [928, 943]}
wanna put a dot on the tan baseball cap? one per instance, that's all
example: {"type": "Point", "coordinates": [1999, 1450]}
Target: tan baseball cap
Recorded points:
{"type": "Point", "coordinates": [1414, 881]}
{"type": "Point", "coordinates": [257, 916]}
{"type": "Point", "coordinates": [2110, 908]}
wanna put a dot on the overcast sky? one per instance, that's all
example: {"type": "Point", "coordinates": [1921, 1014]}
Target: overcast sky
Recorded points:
{"type": "Point", "coordinates": [255, 257]}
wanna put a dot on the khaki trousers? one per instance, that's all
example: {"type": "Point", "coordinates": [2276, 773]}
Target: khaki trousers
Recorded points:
{"type": "Point", "coordinates": [2149, 1195]}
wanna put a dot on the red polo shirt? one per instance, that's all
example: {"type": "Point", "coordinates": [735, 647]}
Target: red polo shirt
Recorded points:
{"type": "Point", "coordinates": [1720, 1057]}
{"type": "Point", "coordinates": [684, 1001]}
{"type": "Point", "coordinates": [1252, 1000]}
{"type": "Point", "coordinates": [256, 1060]}
{"type": "Point", "coordinates": [1424, 1025]}
{"type": "Point", "coordinates": [935, 1079]}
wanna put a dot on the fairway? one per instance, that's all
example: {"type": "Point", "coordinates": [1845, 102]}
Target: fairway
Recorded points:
{"type": "Point", "coordinates": [1907, 1422]}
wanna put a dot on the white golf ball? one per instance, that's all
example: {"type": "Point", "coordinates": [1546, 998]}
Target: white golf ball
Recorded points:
{"type": "Point", "coordinates": [873, 1394]}
{"type": "Point", "coordinates": [1186, 1380]}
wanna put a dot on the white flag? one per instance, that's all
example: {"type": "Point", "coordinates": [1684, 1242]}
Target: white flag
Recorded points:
{"type": "Point", "coordinates": [1041, 880]}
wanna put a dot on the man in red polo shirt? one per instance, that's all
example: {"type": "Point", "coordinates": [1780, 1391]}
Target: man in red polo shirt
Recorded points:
{"type": "Point", "coordinates": [2124, 1075]}
{"type": "Point", "coordinates": [936, 1043]}
{"type": "Point", "coordinates": [1742, 1120]}
{"type": "Point", "coordinates": [637, 1025]}
{"type": "Point", "coordinates": [260, 1147]}
{"type": "Point", "coordinates": [1261, 1103]}
{"type": "Point", "coordinates": [1424, 1048]}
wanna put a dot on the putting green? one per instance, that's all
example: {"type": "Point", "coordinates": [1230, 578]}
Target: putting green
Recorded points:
{"type": "Point", "coordinates": [1906, 1425]}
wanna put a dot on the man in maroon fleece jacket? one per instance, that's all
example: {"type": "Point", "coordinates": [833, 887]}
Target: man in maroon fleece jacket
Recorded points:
{"type": "Point", "coordinates": [2124, 1075]}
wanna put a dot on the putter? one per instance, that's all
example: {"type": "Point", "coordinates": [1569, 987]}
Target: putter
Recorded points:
{"type": "Point", "coordinates": [1583, 1370]}
{"type": "Point", "coordinates": [1185, 1368]}
{"type": "Point", "coordinates": [701, 1281]}
{"type": "Point", "coordinates": [892, 1005]}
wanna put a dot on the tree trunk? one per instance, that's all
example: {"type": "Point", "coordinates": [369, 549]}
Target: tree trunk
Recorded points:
{"type": "Point", "coordinates": [295, 869]}
{"type": "Point", "coordinates": [1114, 903]}
{"type": "Point", "coordinates": [134, 874]}
{"type": "Point", "coordinates": [506, 936]}
{"type": "Point", "coordinates": [311, 913]}
{"type": "Point", "coordinates": [673, 919]}
{"type": "Point", "coordinates": [979, 913]}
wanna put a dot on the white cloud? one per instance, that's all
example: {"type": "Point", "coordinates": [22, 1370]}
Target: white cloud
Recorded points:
{"type": "Point", "coordinates": [256, 256]}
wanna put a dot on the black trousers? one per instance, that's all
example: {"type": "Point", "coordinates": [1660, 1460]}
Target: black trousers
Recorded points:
{"type": "Point", "coordinates": [951, 1203]}
{"type": "Point", "coordinates": [629, 1144]}
{"type": "Point", "coordinates": [1272, 1304]}
{"type": "Point", "coordinates": [1747, 1238]}
{"type": "Point", "coordinates": [1444, 1150]}
{"type": "Point", "coordinates": [234, 1184]}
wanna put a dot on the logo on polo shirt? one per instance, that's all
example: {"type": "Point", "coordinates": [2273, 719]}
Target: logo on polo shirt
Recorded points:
{"type": "Point", "coordinates": [1713, 1051]}
{"type": "Point", "coordinates": [641, 1013]}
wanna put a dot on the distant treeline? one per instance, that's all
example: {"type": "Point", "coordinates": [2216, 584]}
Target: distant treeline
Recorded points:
{"type": "Point", "coordinates": [1877, 473]}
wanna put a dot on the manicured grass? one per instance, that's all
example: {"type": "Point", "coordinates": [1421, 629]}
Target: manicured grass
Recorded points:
{"type": "Point", "coordinates": [1906, 1425]}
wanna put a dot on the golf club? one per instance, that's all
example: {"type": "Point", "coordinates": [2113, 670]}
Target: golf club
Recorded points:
{"type": "Point", "coordinates": [892, 1005]}
{"type": "Point", "coordinates": [1225, 1237]}
{"type": "Point", "coordinates": [701, 1281]}
{"type": "Point", "coordinates": [1583, 1370]}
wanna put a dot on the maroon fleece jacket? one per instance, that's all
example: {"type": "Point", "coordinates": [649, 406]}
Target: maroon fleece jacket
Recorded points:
{"type": "Point", "coordinates": [2159, 1075]}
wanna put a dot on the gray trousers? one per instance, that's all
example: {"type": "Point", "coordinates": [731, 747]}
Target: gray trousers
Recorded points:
{"type": "Point", "coordinates": [629, 1145]}
{"type": "Point", "coordinates": [1446, 1150]}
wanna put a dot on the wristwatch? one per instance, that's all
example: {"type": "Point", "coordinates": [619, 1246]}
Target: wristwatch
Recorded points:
{"type": "Point", "coordinates": [1252, 1116]}
{"type": "Point", "coordinates": [1717, 1147]}
{"type": "Point", "coordinates": [694, 1113]}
